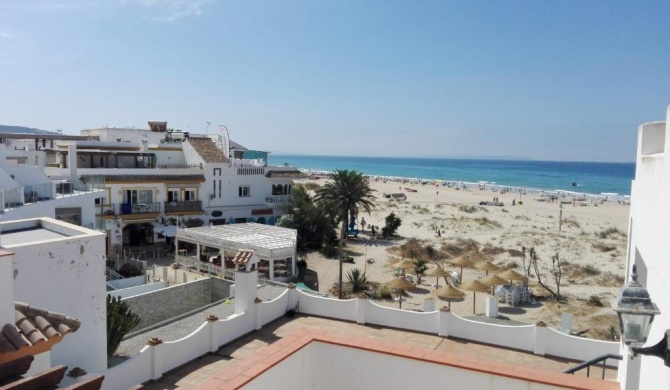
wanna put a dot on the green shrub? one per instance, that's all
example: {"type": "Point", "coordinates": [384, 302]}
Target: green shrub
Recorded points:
{"type": "Point", "coordinates": [392, 225]}
{"type": "Point", "coordinates": [384, 293]}
{"type": "Point", "coordinates": [594, 300]}
{"type": "Point", "coordinates": [129, 270]}
{"type": "Point", "coordinates": [609, 232]}
{"type": "Point", "coordinates": [120, 321]}
{"type": "Point", "coordinates": [329, 251]}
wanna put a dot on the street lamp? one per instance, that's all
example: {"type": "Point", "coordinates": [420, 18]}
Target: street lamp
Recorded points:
{"type": "Point", "coordinates": [636, 313]}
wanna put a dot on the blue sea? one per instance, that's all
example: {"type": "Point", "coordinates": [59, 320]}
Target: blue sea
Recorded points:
{"type": "Point", "coordinates": [590, 177]}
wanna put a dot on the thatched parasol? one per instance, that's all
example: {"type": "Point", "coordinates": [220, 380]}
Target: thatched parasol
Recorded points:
{"type": "Point", "coordinates": [449, 294]}
{"type": "Point", "coordinates": [511, 274]}
{"type": "Point", "coordinates": [437, 272]}
{"type": "Point", "coordinates": [400, 284]}
{"type": "Point", "coordinates": [487, 266]}
{"type": "Point", "coordinates": [474, 286]}
{"type": "Point", "coordinates": [462, 262]}
{"type": "Point", "coordinates": [492, 280]}
{"type": "Point", "coordinates": [404, 264]}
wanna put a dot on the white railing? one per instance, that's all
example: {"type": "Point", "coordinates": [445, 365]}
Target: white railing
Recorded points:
{"type": "Point", "coordinates": [213, 269]}
{"type": "Point", "coordinates": [154, 360]}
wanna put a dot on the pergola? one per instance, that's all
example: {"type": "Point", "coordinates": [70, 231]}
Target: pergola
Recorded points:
{"type": "Point", "coordinates": [271, 243]}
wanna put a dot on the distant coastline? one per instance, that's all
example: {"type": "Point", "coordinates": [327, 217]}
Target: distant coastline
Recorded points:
{"type": "Point", "coordinates": [588, 177]}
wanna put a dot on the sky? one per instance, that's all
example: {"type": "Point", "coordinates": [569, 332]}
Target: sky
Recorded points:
{"type": "Point", "coordinates": [548, 80]}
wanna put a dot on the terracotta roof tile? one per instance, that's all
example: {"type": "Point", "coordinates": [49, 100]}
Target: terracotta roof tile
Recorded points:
{"type": "Point", "coordinates": [207, 150]}
{"type": "Point", "coordinates": [285, 174]}
{"type": "Point", "coordinates": [147, 178]}
{"type": "Point", "coordinates": [32, 328]}
{"type": "Point", "coordinates": [243, 256]}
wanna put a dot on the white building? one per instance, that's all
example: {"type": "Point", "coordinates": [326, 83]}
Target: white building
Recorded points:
{"type": "Point", "coordinates": [158, 176]}
{"type": "Point", "coordinates": [61, 267]}
{"type": "Point", "coordinates": [648, 232]}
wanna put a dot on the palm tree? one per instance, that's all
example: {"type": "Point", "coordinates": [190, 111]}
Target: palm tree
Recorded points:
{"type": "Point", "coordinates": [346, 193]}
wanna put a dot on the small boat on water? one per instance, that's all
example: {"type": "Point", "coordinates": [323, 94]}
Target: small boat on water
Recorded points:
{"type": "Point", "coordinates": [411, 189]}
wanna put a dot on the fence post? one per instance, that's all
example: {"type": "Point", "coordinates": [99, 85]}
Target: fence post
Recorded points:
{"type": "Point", "coordinates": [445, 315]}
{"type": "Point", "coordinates": [293, 297]}
{"type": "Point", "coordinates": [213, 334]}
{"type": "Point", "coordinates": [156, 362]}
{"type": "Point", "coordinates": [257, 314]}
{"type": "Point", "coordinates": [362, 303]}
{"type": "Point", "coordinates": [540, 338]}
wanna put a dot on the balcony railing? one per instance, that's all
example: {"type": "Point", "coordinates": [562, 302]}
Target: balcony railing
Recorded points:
{"type": "Point", "coordinates": [138, 208]}
{"type": "Point", "coordinates": [188, 205]}
{"type": "Point", "coordinates": [277, 198]}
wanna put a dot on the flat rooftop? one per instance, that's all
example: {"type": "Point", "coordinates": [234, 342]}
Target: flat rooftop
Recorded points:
{"type": "Point", "coordinates": [198, 372]}
{"type": "Point", "coordinates": [24, 236]}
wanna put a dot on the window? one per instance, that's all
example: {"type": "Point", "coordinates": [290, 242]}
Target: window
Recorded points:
{"type": "Point", "coordinates": [138, 196]}
{"type": "Point", "coordinates": [245, 191]}
{"type": "Point", "coordinates": [173, 195]}
{"type": "Point", "coordinates": [189, 194]}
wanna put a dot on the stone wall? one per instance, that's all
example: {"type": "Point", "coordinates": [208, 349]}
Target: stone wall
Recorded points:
{"type": "Point", "coordinates": [163, 304]}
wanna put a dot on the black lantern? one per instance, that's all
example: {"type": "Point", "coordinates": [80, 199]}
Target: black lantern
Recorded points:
{"type": "Point", "coordinates": [636, 313]}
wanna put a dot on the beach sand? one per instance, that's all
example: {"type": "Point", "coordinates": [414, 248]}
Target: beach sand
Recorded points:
{"type": "Point", "coordinates": [596, 264]}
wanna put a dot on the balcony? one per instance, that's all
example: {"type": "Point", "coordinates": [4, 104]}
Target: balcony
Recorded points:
{"type": "Point", "coordinates": [185, 206]}
{"type": "Point", "coordinates": [138, 208]}
{"type": "Point", "coordinates": [281, 199]}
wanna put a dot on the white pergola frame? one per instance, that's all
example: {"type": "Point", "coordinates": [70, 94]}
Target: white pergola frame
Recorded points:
{"type": "Point", "coordinates": [270, 243]}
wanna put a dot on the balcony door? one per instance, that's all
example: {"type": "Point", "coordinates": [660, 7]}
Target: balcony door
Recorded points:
{"type": "Point", "coordinates": [138, 196]}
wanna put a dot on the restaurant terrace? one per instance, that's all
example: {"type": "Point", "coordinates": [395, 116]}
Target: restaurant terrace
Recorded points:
{"type": "Point", "coordinates": [218, 245]}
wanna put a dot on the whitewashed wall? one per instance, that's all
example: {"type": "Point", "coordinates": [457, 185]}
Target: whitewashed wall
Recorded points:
{"type": "Point", "coordinates": [132, 291]}
{"type": "Point", "coordinates": [396, 318]}
{"type": "Point", "coordinates": [271, 310]}
{"type": "Point", "coordinates": [327, 307]}
{"type": "Point", "coordinates": [125, 283]}
{"type": "Point", "coordinates": [648, 233]}
{"type": "Point", "coordinates": [518, 337]}
{"type": "Point", "coordinates": [66, 275]}
{"type": "Point", "coordinates": [176, 353]}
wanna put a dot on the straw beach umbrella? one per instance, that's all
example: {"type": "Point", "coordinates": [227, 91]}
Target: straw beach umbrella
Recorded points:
{"type": "Point", "coordinates": [462, 262]}
{"type": "Point", "coordinates": [437, 272]}
{"type": "Point", "coordinates": [404, 264]}
{"type": "Point", "coordinates": [487, 266]}
{"type": "Point", "coordinates": [511, 275]}
{"type": "Point", "coordinates": [400, 284]}
{"type": "Point", "coordinates": [449, 294]}
{"type": "Point", "coordinates": [475, 287]}
{"type": "Point", "coordinates": [492, 280]}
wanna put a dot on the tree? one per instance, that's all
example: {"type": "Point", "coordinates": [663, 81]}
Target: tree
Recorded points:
{"type": "Point", "coordinates": [420, 266]}
{"type": "Point", "coordinates": [556, 271]}
{"type": "Point", "coordinates": [345, 195]}
{"type": "Point", "coordinates": [392, 224]}
{"type": "Point", "coordinates": [120, 321]}
{"type": "Point", "coordinates": [358, 280]}
{"type": "Point", "coordinates": [311, 219]}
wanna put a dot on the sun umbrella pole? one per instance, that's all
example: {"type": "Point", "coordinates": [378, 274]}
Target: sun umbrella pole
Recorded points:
{"type": "Point", "coordinates": [474, 300]}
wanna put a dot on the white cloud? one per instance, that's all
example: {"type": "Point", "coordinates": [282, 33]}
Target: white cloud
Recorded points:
{"type": "Point", "coordinates": [171, 10]}
{"type": "Point", "coordinates": [5, 34]}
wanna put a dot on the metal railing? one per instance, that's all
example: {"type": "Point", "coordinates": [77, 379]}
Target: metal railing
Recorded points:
{"type": "Point", "coordinates": [112, 275]}
{"type": "Point", "coordinates": [188, 205]}
{"type": "Point", "coordinates": [138, 208]}
{"type": "Point", "coordinates": [587, 364]}
{"type": "Point", "coordinates": [178, 166]}
{"type": "Point", "coordinates": [277, 198]}
{"type": "Point", "coordinates": [213, 269]}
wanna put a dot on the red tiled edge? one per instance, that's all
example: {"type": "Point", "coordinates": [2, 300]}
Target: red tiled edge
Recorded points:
{"type": "Point", "coordinates": [5, 253]}
{"type": "Point", "coordinates": [269, 356]}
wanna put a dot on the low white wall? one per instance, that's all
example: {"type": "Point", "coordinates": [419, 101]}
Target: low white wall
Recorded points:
{"type": "Point", "coordinates": [327, 307]}
{"type": "Point", "coordinates": [271, 310]}
{"type": "Point", "coordinates": [518, 337]}
{"type": "Point", "coordinates": [396, 318]}
{"type": "Point", "coordinates": [579, 348]}
{"type": "Point", "coordinates": [132, 291]}
{"type": "Point", "coordinates": [128, 282]}
{"type": "Point", "coordinates": [234, 327]}
{"type": "Point", "coordinates": [133, 371]}
{"type": "Point", "coordinates": [176, 353]}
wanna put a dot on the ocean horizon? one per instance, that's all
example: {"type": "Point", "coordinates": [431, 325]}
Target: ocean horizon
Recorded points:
{"type": "Point", "coordinates": [594, 178]}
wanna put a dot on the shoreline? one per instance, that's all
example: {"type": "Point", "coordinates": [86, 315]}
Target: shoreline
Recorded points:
{"type": "Point", "coordinates": [484, 185]}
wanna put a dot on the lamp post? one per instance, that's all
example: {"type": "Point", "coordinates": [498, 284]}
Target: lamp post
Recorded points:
{"type": "Point", "coordinates": [636, 311]}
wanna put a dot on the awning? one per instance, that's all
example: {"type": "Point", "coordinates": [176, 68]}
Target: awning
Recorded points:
{"type": "Point", "coordinates": [168, 231]}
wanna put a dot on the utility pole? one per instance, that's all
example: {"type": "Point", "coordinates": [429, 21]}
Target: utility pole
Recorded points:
{"type": "Point", "coordinates": [560, 218]}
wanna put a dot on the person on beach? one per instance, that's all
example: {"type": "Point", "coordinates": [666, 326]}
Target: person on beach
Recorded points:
{"type": "Point", "coordinates": [363, 224]}
{"type": "Point", "coordinates": [373, 230]}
